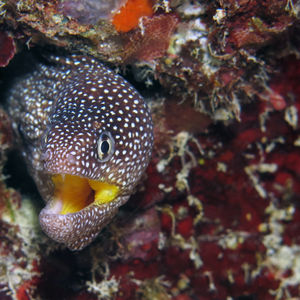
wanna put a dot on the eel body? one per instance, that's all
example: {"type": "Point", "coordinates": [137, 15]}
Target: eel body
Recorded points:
{"type": "Point", "coordinates": [87, 136]}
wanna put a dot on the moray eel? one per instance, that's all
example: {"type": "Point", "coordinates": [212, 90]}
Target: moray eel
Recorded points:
{"type": "Point", "coordinates": [86, 135]}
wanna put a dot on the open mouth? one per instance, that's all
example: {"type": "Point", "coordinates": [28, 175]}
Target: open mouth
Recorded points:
{"type": "Point", "coordinates": [73, 193]}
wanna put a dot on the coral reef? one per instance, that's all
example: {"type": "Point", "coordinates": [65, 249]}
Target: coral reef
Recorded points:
{"type": "Point", "coordinates": [217, 215]}
{"type": "Point", "coordinates": [218, 54]}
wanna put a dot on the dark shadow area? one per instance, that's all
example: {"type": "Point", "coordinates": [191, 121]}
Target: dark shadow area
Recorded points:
{"type": "Point", "coordinates": [17, 175]}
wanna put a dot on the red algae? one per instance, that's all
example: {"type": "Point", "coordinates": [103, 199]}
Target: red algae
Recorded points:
{"type": "Point", "coordinates": [151, 40]}
{"type": "Point", "coordinates": [7, 49]}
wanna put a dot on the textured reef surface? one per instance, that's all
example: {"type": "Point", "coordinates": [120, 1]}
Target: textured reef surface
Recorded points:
{"type": "Point", "coordinates": [217, 213]}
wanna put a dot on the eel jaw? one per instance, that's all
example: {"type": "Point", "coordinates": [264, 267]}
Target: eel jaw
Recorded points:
{"type": "Point", "coordinates": [79, 209]}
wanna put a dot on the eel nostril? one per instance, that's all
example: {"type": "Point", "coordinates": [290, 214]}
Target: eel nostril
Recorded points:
{"type": "Point", "coordinates": [70, 159]}
{"type": "Point", "coordinates": [47, 155]}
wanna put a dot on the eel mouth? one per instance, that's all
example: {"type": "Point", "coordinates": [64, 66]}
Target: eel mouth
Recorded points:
{"type": "Point", "coordinates": [78, 209]}
{"type": "Point", "coordinates": [73, 193]}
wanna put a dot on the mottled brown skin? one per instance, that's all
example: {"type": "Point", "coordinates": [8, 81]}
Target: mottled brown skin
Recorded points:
{"type": "Point", "coordinates": [61, 113]}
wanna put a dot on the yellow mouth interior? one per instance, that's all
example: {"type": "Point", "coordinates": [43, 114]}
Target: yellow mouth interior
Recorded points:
{"type": "Point", "coordinates": [75, 193]}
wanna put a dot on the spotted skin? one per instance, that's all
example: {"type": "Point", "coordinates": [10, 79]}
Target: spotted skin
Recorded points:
{"type": "Point", "coordinates": [59, 112]}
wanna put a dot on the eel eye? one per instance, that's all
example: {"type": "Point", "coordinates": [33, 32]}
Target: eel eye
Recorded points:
{"type": "Point", "coordinates": [106, 146]}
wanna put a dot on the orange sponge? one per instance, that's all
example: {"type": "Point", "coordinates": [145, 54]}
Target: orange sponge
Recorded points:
{"type": "Point", "coordinates": [128, 16]}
